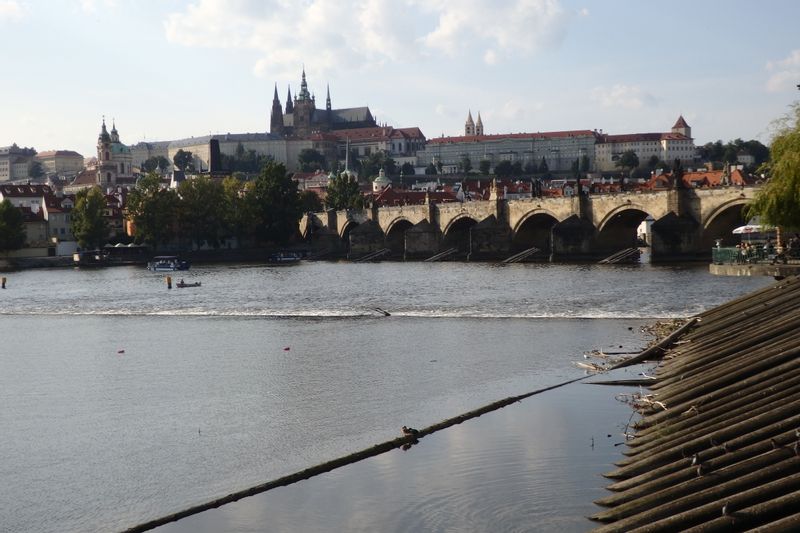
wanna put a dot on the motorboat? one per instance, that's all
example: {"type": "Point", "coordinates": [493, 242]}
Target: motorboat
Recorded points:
{"type": "Point", "coordinates": [283, 258]}
{"type": "Point", "coordinates": [167, 263]}
{"type": "Point", "coordinates": [182, 284]}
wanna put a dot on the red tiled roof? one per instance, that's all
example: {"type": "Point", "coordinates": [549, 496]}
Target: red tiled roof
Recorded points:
{"type": "Point", "coordinates": [680, 123]}
{"type": "Point", "coordinates": [504, 136]}
{"type": "Point", "coordinates": [85, 177]}
{"type": "Point", "coordinates": [52, 153]}
{"type": "Point", "coordinates": [20, 191]}
{"type": "Point", "coordinates": [639, 137]}
{"type": "Point", "coordinates": [390, 196]}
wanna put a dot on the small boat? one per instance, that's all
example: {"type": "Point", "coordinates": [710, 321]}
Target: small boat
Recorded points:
{"type": "Point", "coordinates": [167, 263]}
{"type": "Point", "coordinates": [182, 284]}
{"type": "Point", "coordinates": [283, 258]}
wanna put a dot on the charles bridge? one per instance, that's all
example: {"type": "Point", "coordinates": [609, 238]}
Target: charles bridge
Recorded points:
{"type": "Point", "coordinates": [685, 225]}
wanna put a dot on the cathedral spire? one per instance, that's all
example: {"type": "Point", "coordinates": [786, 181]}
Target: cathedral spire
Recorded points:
{"type": "Point", "coordinates": [275, 96]}
{"type": "Point", "coordinates": [469, 125]}
{"type": "Point", "coordinates": [103, 132]}
{"type": "Point", "coordinates": [289, 105]}
{"type": "Point", "coordinates": [304, 95]}
{"type": "Point", "coordinates": [328, 100]}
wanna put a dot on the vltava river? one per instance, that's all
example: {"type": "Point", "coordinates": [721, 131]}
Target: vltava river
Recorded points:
{"type": "Point", "coordinates": [123, 401]}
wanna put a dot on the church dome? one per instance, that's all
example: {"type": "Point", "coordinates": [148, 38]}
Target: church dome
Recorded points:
{"type": "Point", "coordinates": [381, 182]}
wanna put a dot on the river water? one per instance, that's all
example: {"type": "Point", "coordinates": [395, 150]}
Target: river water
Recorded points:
{"type": "Point", "coordinates": [123, 401]}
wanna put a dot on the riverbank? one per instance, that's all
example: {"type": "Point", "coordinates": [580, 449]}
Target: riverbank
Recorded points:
{"type": "Point", "coordinates": [718, 447]}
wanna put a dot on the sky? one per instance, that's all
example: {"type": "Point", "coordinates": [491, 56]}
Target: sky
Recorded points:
{"type": "Point", "coordinates": [171, 69]}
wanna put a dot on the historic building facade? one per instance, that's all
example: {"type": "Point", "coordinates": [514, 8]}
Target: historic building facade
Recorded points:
{"type": "Point", "coordinates": [15, 162]}
{"type": "Point", "coordinates": [559, 149]}
{"type": "Point", "coordinates": [114, 164]}
{"type": "Point", "coordinates": [669, 146]}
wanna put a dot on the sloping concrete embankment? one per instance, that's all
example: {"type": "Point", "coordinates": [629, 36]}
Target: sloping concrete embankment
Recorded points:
{"type": "Point", "coordinates": [718, 444]}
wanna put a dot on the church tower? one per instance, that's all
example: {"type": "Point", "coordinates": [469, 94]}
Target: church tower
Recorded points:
{"type": "Point", "coordinates": [106, 168]}
{"type": "Point", "coordinates": [479, 125]}
{"type": "Point", "coordinates": [276, 118]}
{"type": "Point", "coordinates": [469, 126]}
{"type": "Point", "coordinates": [304, 108]}
{"type": "Point", "coordinates": [289, 106]}
{"type": "Point", "coordinates": [682, 127]}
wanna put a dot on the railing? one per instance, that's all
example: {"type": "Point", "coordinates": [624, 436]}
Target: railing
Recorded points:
{"type": "Point", "coordinates": [742, 256]}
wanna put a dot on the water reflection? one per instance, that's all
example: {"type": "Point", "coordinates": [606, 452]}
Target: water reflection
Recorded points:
{"type": "Point", "coordinates": [532, 466]}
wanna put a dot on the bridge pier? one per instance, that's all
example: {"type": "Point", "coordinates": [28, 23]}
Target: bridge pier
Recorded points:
{"type": "Point", "coordinates": [489, 239]}
{"type": "Point", "coordinates": [677, 238]}
{"type": "Point", "coordinates": [423, 240]}
{"type": "Point", "coordinates": [573, 239]}
{"type": "Point", "coordinates": [366, 238]}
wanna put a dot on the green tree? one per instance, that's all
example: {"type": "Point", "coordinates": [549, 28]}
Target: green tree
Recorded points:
{"type": "Point", "coordinates": [310, 202]}
{"type": "Point", "coordinates": [183, 160]}
{"type": "Point", "coordinates": [485, 166]}
{"type": "Point", "coordinates": [36, 170]}
{"type": "Point", "coordinates": [628, 160]}
{"type": "Point", "coordinates": [311, 160]}
{"type": "Point", "coordinates": [430, 170]}
{"type": "Point", "coordinates": [153, 210]}
{"type": "Point", "coordinates": [343, 193]}
{"type": "Point", "coordinates": [89, 223]}
{"type": "Point", "coordinates": [503, 169]}
{"type": "Point", "coordinates": [375, 162]}
{"type": "Point", "coordinates": [239, 209]}
{"type": "Point", "coordinates": [778, 202]}
{"type": "Point", "coordinates": [12, 227]}
{"type": "Point", "coordinates": [157, 162]}
{"type": "Point", "coordinates": [201, 211]}
{"type": "Point", "coordinates": [465, 165]}
{"type": "Point", "coordinates": [276, 204]}
{"type": "Point", "coordinates": [543, 168]}
{"type": "Point", "coordinates": [407, 169]}
{"type": "Point", "coordinates": [586, 163]}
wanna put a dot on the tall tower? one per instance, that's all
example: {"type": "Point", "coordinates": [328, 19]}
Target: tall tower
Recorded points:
{"type": "Point", "coordinates": [106, 169]}
{"type": "Point", "coordinates": [469, 125]}
{"type": "Point", "coordinates": [114, 133]}
{"type": "Point", "coordinates": [276, 118]}
{"type": "Point", "coordinates": [682, 127]}
{"type": "Point", "coordinates": [479, 125]}
{"type": "Point", "coordinates": [328, 100]}
{"type": "Point", "coordinates": [304, 108]}
{"type": "Point", "coordinates": [289, 106]}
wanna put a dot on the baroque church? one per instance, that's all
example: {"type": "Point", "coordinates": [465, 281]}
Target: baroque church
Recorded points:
{"type": "Point", "coordinates": [114, 159]}
{"type": "Point", "coordinates": [300, 118]}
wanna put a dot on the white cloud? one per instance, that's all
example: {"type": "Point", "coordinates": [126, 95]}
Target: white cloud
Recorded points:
{"type": "Point", "coordinates": [90, 6]}
{"type": "Point", "coordinates": [524, 26]}
{"type": "Point", "coordinates": [785, 73]}
{"type": "Point", "coordinates": [584, 12]}
{"type": "Point", "coordinates": [362, 33]}
{"type": "Point", "coordinates": [624, 96]}
{"type": "Point", "coordinates": [10, 10]}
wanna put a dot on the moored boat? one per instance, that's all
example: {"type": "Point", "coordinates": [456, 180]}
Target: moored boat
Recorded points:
{"type": "Point", "coordinates": [283, 258]}
{"type": "Point", "coordinates": [167, 263]}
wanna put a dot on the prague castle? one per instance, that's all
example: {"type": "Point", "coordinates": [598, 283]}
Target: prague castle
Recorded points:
{"type": "Point", "coordinates": [301, 118]}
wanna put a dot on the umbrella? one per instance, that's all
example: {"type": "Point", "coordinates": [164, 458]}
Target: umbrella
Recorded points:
{"type": "Point", "coordinates": [751, 228]}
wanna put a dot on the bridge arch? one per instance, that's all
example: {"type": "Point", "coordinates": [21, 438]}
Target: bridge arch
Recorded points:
{"type": "Point", "coordinates": [534, 230]}
{"type": "Point", "coordinates": [347, 227]}
{"type": "Point", "coordinates": [396, 233]}
{"type": "Point", "coordinates": [613, 215]}
{"type": "Point", "coordinates": [721, 223]}
{"type": "Point", "coordinates": [618, 230]}
{"type": "Point", "coordinates": [456, 233]}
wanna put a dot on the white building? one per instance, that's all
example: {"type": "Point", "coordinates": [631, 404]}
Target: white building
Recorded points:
{"type": "Point", "coordinates": [667, 147]}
